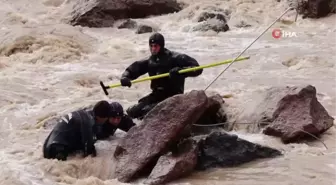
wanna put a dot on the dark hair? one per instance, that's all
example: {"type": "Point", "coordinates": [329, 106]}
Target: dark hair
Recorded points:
{"type": "Point", "coordinates": [102, 109]}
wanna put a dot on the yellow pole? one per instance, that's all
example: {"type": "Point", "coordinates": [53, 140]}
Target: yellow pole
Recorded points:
{"type": "Point", "coordinates": [167, 74]}
{"type": "Point", "coordinates": [181, 71]}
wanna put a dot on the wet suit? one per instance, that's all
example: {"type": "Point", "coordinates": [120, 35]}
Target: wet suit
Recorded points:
{"type": "Point", "coordinates": [105, 130]}
{"type": "Point", "coordinates": [73, 132]}
{"type": "Point", "coordinates": [165, 61]}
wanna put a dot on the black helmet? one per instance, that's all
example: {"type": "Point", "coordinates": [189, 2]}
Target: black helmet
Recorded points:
{"type": "Point", "coordinates": [102, 109]}
{"type": "Point", "coordinates": [157, 38]}
{"type": "Point", "coordinates": [116, 109]}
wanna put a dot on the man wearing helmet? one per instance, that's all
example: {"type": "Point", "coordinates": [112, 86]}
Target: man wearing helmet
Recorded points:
{"type": "Point", "coordinates": [75, 132]}
{"type": "Point", "coordinates": [79, 130]}
{"type": "Point", "coordinates": [117, 120]}
{"type": "Point", "coordinates": [161, 61]}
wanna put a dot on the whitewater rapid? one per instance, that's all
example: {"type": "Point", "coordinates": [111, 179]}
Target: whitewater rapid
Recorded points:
{"type": "Point", "coordinates": [48, 68]}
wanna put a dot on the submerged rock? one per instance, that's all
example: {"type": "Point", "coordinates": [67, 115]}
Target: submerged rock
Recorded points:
{"type": "Point", "coordinates": [144, 29]}
{"type": "Point", "coordinates": [212, 24]}
{"type": "Point", "coordinates": [128, 23]}
{"type": "Point", "coordinates": [160, 129]}
{"type": "Point", "coordinates": [211, 21]}
{"type": "Point", "coordinates": [103, 13]}
{"type": "Point", "coordinates": [204, 16]}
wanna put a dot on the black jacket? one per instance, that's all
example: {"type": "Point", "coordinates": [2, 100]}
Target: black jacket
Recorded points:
{"type": "Point", "coordinates": [163, 64]}
{"type": "Point", "coordinates": [75, 131]}
{"type": "Point", "coordinates": [106, 129]}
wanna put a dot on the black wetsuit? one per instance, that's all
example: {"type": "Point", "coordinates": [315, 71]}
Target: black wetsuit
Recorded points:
{"type": "Point", "coordinates": [73, 132]}
{"type": "Point", "coordinates": [105, 130]}
{"type": "Point", "coordinates": [162, 88]}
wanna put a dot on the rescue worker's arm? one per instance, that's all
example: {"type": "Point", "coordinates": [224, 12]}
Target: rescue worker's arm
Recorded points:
{"type": "Point", "coordinates": [86, 124]}
{"type": "Point", "coordinates": [103, 131]}
{"type": "Point", "coordinates": [185, 61]}
{"type": "Point", "coordinates": [133, 71]}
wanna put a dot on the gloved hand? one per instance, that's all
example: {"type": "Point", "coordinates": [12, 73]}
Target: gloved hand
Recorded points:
{"type": "Point", "coordinates": [125, 82]}
{"type": "Point", "coordinates": [173, 73]}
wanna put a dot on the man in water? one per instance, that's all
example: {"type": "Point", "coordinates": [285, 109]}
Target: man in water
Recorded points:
{"type": "Point", "coordinates": [78, 131]}
{"type": "Point", "coordinates": [117, 120]}
{"type": "Point", "coordinates": [161, 61]}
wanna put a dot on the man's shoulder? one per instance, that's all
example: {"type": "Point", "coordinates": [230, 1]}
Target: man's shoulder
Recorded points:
{"type": "Point", "coordinates": [143, 59]}
{"type": "Point", "coordinates": [175, 54]}
{"type": "Point", "coordinates": [77, 116]}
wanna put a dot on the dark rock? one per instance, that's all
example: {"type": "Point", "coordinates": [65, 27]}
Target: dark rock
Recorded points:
{"type": "Point", "coordinates": [144, 29]}
{"type": "Point", "coordinates": [296, 114]}
{"type": "Point", "coordinates": [333, 6]}
{"type": "Point", "coordinates": [206, 15]}
{"type": "Point", "coordinates": [212, 24]}
{"type": "Point", "coordinates": [213, 118]}
{"type": "Point", "coordinates": [242, 24]}
{"type": "Point", "coordinates": [211, 21]}
{"type": "Point", "coordinates": [128, 23]}
{"type": "Point", "coordinates": [316, 8]}
{"type": "Point", "coordinates": [175, 165]}
{"type": "Point", "coordinates": [103, 13]}
{"type": "Point", "coordinates": [160, 128]}
{"type": "Point", "coordinates": [226, 150]}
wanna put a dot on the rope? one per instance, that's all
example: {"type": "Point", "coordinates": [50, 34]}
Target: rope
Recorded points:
{"type": "Point", "coordinates": [291, 8]}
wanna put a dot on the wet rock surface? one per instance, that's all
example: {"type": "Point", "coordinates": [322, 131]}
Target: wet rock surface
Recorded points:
{"type": "Point", "coordinates": [160, 129]}
{"type": "Point", "coordinates": [175, 164]}
{"type": "Point", "coordinates": [316, 8]}
{"type": "Point", "coordinates": [298, 113]}
{"type": "Point", "coordinates": [220, 149]}
{"type": "Point", "coordinates": [104, 13]}
{"type": "Point", "coordinates": [164, 148]}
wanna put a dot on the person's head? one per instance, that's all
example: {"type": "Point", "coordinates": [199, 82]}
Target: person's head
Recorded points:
{"type": "Point", "coordinates": [102, 110]}
{"type": "Point", "coordinates": [117, 112]}
{"type": "Point", "coordinates": [156, 43]}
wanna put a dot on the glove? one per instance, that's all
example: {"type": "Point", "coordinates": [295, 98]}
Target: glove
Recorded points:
{"type": "Point", "coordinates": [125, 82]}
{"type": "Point", "coordinates": [174, 73]}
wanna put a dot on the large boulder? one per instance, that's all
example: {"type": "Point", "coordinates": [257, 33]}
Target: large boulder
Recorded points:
{"type": "Point", "coordinates": [160, 129]}
{"type": "Point", "coordinates": [316, 8]}
{"type": "Point", "coordinates": [103, 13]}
{"type": "Point", "coordinates": [164, 146]}
{"type": "Point", "coordinates": [332, 5]}
{"type": "Point", "coordinates": [290, 113]}
{"type": "Point", "coordinates": [298, 113]}
{"type": "Point", "coordinates": [175, 164]}
{"type": "Point", "coordinates": [220, 149]}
